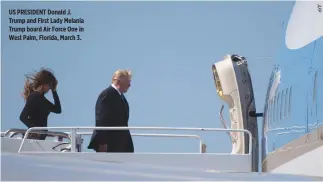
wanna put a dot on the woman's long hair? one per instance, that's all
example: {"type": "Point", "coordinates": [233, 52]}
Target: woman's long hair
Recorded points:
{"type": "Point", "coordinates": [34, 81]}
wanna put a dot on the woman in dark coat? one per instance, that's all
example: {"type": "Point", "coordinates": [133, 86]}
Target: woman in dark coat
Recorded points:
{"type": "Point", "coordinates": [37, 107]}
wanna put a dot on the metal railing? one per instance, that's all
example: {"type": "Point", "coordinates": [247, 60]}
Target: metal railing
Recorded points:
{"type": "Point", "coordinates": [75, 128]}
{"type": "Point", "coordinates": [159, 135]}
{"type": "Point", "coordinates": [14, 131]}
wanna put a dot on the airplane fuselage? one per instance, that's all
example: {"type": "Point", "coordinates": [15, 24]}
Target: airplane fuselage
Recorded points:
{"type": "Point", "coordinates": [293, 118]}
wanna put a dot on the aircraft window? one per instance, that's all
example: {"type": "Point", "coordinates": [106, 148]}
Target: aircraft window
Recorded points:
{"type": "Point", "coordinates": [269, 111]}
{"type": "Point", "coordinates": [314, 87]}
{"type": "Point", "coordinates": [315, 93]}
{"type": "Point", "coordinates": [290, 100]}
{"type": "Point", "coordinates": [266, 110]}
{"type": "Point", "coordinates": [282, 105]}
{"type": "Point", "coordinates": [277, 107]}
{"type": "Point", "coordinates": [286, 103]}
{"type": "Point", "coordinates": [272, 109]}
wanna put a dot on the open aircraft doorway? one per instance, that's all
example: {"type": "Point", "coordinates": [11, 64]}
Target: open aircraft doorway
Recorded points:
{"type": "Point", "coordinates": [234, 86]}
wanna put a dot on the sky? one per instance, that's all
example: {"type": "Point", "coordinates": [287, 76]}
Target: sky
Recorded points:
{"type": "Point", "coordinates": [170, 48]}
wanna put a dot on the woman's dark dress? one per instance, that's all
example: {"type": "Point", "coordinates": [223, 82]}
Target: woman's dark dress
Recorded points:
{"type": "Point", "coordinates": [37, 109]}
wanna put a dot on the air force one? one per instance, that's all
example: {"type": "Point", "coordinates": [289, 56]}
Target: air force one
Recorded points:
{"type": "Point", "coordinates": [291, 143]}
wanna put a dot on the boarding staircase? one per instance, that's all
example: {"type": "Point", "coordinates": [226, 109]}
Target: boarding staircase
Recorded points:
{"type": "Point", "coordinates": [233, 84]}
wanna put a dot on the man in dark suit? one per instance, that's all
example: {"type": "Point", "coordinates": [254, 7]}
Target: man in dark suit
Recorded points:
{"type": "Point", "coordinates": [112, 110]}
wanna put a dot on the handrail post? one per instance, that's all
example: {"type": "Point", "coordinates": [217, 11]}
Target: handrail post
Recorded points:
{"type": "Point", "coordinates": [203, 148]}
{"type": "Point", "coordinates": [73, 139]}
{"type": "Point", "coordinates": [24, 139]}
{"type": "Point", "coordinates": [79, 142]}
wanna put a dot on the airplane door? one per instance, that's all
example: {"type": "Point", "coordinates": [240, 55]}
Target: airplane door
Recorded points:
{"type": "Point", "coordinates": [234, 86]}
